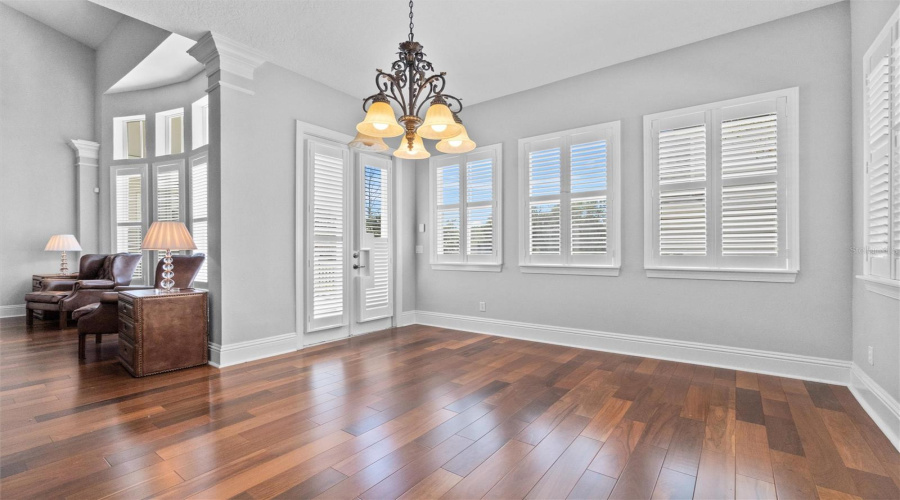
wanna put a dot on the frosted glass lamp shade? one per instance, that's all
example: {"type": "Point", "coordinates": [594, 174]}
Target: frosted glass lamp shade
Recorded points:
{"type": "Point", "coordinates": [365, 142]}
{"type": "Point", "coordinates": [380, 121]}
{"type": "Point", "coordinates": [62, 243]}
{"type": "Point", "coordinates": [458, 144]}
{"type": "Point", "coordinates": [418, 151]}
{"type": "Point", "coordinates": [168, 236]}
{"type": "Point", "coordinates": [439, 123]}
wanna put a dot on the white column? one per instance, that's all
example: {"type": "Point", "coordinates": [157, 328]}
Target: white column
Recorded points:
{"type": "Point", "coordinates": [230, 68]}
{"type": "Point", "coordinates": [87, 197]}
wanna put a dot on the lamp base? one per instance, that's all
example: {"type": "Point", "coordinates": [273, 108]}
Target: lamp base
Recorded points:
{"type": "Point", "coordinates": [64, 264]}
{"type": "Point", "coordinates": [168, 284]}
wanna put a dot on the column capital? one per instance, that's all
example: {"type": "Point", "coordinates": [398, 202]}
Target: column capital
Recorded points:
{"type": "Point", "coordinates": [85, 149]}
{"type": "Point", "coordinates": [221, 54]}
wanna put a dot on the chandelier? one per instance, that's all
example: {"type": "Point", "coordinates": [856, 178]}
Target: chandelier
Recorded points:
{"type": "Point", "coordinates": [410, 87]}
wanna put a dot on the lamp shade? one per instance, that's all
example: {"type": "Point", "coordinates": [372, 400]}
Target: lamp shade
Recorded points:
{"type": "Point", "coordinates": [458, 144]}
{"type": "Point", "coordinates": [380, 121]}
{"type": "Point", "coordinates": [168, 236]}
{"type": "Point", "coordinates": [439, 123]}
{"type": "Point", "coordinates": [62, 243]}
{"type": "Point", "coordinates": [418, 151]}
{"type": "Point", "coordinates": [365, 142]}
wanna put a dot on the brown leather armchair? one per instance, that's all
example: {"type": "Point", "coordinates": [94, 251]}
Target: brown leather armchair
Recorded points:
{"type": "Point", "coordinates": [103, 317]}
{"type": "Point", "coordinates": [97, 273]}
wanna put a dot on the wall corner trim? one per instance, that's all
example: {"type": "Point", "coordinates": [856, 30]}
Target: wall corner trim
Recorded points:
{"type": "Point", "coordinates": [221, 356]}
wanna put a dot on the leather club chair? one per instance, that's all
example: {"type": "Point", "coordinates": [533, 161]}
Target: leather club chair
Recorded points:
{"type": "Point", "coordinates": [97, 273]}
{"type": "Point", "coordinates": [103, 317]}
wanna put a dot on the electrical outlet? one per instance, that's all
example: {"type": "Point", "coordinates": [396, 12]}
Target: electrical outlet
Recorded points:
{"type": "Point", "coordinates": [481, 306]}
{"type": "Point", "coordinates": [871, 356]}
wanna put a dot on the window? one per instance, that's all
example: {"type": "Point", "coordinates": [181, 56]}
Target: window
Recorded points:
{"type": "Point", "coordinates": [569, 188]}
{"type": "Point", "coordinates": [466, 210]}
{"type": "Point", "coordinates": [200, 122]}
{"type": "Point", "coordinates": [129, 185]}
{"type": "Point", "coordinates": [881, 145]}
{"type": "Point", "coordinates": [170, 132]}
{"type": "Point", "coordinates": [200, 211]}
{"type": "Point", "coordinates": [128, 138]}
{"type": "Point", "coordinates": [721, 190]}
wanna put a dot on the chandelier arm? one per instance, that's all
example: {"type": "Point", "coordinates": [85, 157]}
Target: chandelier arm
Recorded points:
{"type": "Point", "coordinates": [388, 85]}
{"type": "Point", "coordinates": [453, 101]}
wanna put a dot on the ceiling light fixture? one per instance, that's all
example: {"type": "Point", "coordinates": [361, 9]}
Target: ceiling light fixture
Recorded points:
{"type": "Point", "coordinates": [409, 86]}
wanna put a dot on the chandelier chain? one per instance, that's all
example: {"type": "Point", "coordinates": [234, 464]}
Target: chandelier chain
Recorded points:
{"type": "Point", "coordinates": [411, 25]}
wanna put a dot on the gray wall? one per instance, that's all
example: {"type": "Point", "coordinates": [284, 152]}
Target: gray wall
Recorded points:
{"type": "Point", "coordinates": [809, 317]}
{"type": "Point", "coordinates": [258, 184]}
{"type": "Point", "coordinates": [876, 318]}
{"type": "Point", "coordinates": [46, 99]}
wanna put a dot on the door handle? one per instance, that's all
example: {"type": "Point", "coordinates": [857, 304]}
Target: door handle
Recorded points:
{"type": "Point", "coordinates": [357, 266]}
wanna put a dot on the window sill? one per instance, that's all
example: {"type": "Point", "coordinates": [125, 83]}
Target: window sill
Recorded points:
{"type": "Point", "coordinates": [575, 270]}
{"type": "Point", "coordinates": [772, 276]}
{"type": "Point", "coordinates": [882, 286]}
{"type": "Point", "coordinates": [486, 268]}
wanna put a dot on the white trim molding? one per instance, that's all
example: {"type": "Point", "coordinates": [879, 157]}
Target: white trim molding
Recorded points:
{"type": "Point", "coordinates": [884, 409]}
{"type": "Point", "coordinates": [562, 269]}
{"type": "Point", "coordinates": [832, 371]}
{"type": "Point", "coordinates": [12, 311]}
{"type": "Point", "coordinates": [221, 356]}
{"type": "Point", "coordinates": [773, 276]}
{"type": "Point", "coordinates": [85, 149]}
{"type": "Point", "coordinates": [406, 318]}
{"type": "Point", "coordinates": [222, 56]}
{"type": "Point", "coordinates": [881, 286]}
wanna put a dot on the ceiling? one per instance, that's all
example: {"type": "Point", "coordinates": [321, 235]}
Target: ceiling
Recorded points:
{"type": "Point", "coordinates": [489, 48]}
{"type": "Point", "coordinates": [81, 20]}
{"type": "Point", "coordinates": [168, 63]}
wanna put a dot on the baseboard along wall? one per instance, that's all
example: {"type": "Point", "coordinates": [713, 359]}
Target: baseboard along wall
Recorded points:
{"type": "Point", "coordinates": [12, 311]}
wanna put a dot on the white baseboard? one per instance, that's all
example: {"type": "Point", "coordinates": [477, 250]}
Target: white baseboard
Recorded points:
{"type": "Point", "coordinates": [232, 354]}
{"type": "Point", "coordinates": [884, 409]}
{"type": "Point", "coordinates": [832, 371]}
{"type": "Point", "coordinates": [12, 311]}
{"type": "Point", "coordinates": [406, 318]}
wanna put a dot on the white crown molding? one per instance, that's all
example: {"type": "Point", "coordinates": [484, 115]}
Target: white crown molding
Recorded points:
{"type": "Point", "coordinates": [85, 149]}
{"type": "Point", "coordinates": [12, 311]}
{"type": "Point", "coordinates": [884, 409]}
{"type": "Point", "coordinates": [221, 356]}
{"type": "Point", "coordinates": [221, 54]}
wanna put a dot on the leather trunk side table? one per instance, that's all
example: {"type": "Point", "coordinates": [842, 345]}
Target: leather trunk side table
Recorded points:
{"type": "Point", "coordinates": [161, 332]}
{"type": "Point", "coordinates": [37, 282]}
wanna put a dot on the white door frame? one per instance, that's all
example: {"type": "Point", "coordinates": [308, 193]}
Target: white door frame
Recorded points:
{"type": "Point", "coordinates": [304, 132]}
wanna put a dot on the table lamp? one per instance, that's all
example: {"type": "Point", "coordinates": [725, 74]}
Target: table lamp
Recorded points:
{"type": "Point", "coordinates": [63, 243]}
{"type": "Point", "coordinates": [168, 236]}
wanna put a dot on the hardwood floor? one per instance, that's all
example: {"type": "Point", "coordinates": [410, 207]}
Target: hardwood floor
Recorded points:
{"type": "Point", "coordinates": [421, 412]}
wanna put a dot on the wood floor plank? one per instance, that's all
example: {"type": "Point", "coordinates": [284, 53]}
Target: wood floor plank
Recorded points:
{"type": "Point", "coordinates": [423, 412]}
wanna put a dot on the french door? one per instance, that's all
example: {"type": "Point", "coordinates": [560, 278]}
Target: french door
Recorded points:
{"type": "Point", "coordinates": [349, 278]}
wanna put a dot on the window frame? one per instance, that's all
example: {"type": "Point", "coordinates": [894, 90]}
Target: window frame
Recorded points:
{"type": "Point", "coordinates": [714, 266]}
{"type": "Point", "coordinates": [888, 286]}
{"type": "Point", "coordinates": [200, 123]}
{"type": "Point", "coordinates": [463, 261]}
{"type": "Point", "coordinates": [567, 263]}
{"type": "Point", "coordinates": [142, 169]}
{"type": "Point", "coordinates": [163, 132]}
{"type": "Point", "coordinates": [120, 137]}
{"type": "Point", "coordinates": [195, 159]}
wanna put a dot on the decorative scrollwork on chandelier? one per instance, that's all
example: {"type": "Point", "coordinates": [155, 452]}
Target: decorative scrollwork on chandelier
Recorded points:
{"type": "Point", "coordinates": [410, 84]}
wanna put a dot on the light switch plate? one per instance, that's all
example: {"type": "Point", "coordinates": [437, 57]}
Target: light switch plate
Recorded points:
{"type": "Point", "coordinates": [419, 249]}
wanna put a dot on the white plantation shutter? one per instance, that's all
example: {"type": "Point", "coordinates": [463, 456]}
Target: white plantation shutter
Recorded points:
{"type": "Point", "coordinates": [129, 185]}
{"type": "Point", "coordinates": [200, 211]}
{"type": "Point", "coordinates": [375, 279]}
{"type": "Point", "coordinates": [569, 200]}
{"type": "Point", "coordinates": [882, 215]}
{"type": "Point", "coordinates": [749, 156]}
{"type": "Point", "coordinates": [328, 276]}
{"type": "Point", "coordinates": [466, 209]}
{"type": "Point", "coordinates": [895, 127]}
{"type": "Point", "coordinates": [720, 185]}
{"type": "Point", "coordinates": [168, 194]}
